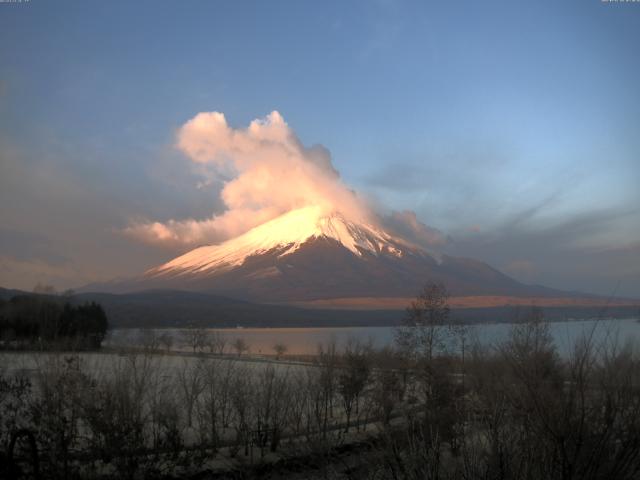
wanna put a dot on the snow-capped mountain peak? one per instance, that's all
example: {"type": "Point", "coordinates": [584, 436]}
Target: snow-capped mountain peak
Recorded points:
{"type": "Point", "coordinates": [285, 235]}
{"type": "Point", "coordinates": [315, 254]}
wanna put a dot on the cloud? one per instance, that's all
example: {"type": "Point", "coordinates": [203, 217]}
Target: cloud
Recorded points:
{"type": "Point", "coordinates": [414, 178]}
{"type": "Point", "coordinates": [406, 225]}
{"type": "Point", "coordinates": [524, 270]}
{"type": "Point", "coordinates": [22, 246]}
{"type": "Point", "coordinates": [25, 273]}
{"type": "Point", "coordinates": [268, 171]}
{"type": "Point", "coordinates": [591, 252]}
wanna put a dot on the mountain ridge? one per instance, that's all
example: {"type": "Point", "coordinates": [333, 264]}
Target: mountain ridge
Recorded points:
{"type": "Point", "coordinates": [179, 309]}
{"type": "Point", "coordinates": [310, 254]}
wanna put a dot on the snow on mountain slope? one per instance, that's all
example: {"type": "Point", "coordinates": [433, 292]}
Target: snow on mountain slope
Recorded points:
{"type": "Point", "coordinates": [284, 235]}
{"type": "Point", "coordinates": [312, 254]}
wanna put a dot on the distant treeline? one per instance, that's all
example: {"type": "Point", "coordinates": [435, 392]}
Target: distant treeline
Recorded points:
{"type": "Point", "coordinates": [176, 309]}
{"type": "Point", "coordinates": [51, 322]}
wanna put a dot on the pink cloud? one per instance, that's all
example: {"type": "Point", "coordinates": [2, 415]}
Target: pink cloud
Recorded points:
{"type": "Point", "coordinates": [270, 173]}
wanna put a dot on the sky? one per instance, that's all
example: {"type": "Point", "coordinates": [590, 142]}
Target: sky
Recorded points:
{"type": "Point", "coordinates": [510, 129]}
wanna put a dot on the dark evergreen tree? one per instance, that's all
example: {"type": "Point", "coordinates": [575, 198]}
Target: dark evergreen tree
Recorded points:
{"type": "Point", "coordinates": [28, 320]}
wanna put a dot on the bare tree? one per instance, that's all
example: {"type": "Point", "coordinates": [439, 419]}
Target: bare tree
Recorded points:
{"type": "Point", "coordinates": [58, 411]}
{"type": "Point", "coordinates": [422, 334]}
{"type": "Point", "coordinates": [353, 377]}
{"type": "Point", "coordinates": [460, 333]}
{"type": "Point", "coordinates": [196, 338]}
{"type": "Point", "coordinates": [148, 339]}
{"type": "Point", "coordinates": [166, 340]}
{"type": "Point", "coordinates": [241, 394]}
{"type": "Point", "coordinates": [240, 346]}
{"type": "Point", "coordinates": [322, 389]}
{"type": "Point", "coordinates": [386, 393]}
{"type": "Point", "coordinates": [190, 380]}
{"type": "Point", "coordinates": [299, 400]}
{"type": "Point", "coordinates": [117, 413]}
{"type": "Point", "coordinates": [214, 402]}
{"type": "Point", "coordinates": [217, 343]}
{"type": "Point", "coordinates": [280, 349]}
{"type": "Point", "coordinates": [272, 401]}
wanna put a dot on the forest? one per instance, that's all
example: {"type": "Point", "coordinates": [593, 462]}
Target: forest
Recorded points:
{"type": "Point", "coordinates": [50, 322]}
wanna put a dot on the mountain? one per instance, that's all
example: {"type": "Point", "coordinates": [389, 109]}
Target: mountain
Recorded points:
{"type": "Point", "coordinates": [309, 254]}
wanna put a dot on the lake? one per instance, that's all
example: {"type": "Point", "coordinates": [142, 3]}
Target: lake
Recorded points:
{"type": "Point", "coordinates": [301, 341]}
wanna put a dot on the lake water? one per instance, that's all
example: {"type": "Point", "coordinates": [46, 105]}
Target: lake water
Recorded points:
{"type": "Point", "coordinates": [302, 341]}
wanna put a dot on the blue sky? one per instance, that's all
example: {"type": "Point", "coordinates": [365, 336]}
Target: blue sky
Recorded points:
{"type": "Point", "coordinates": [510, 126]}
